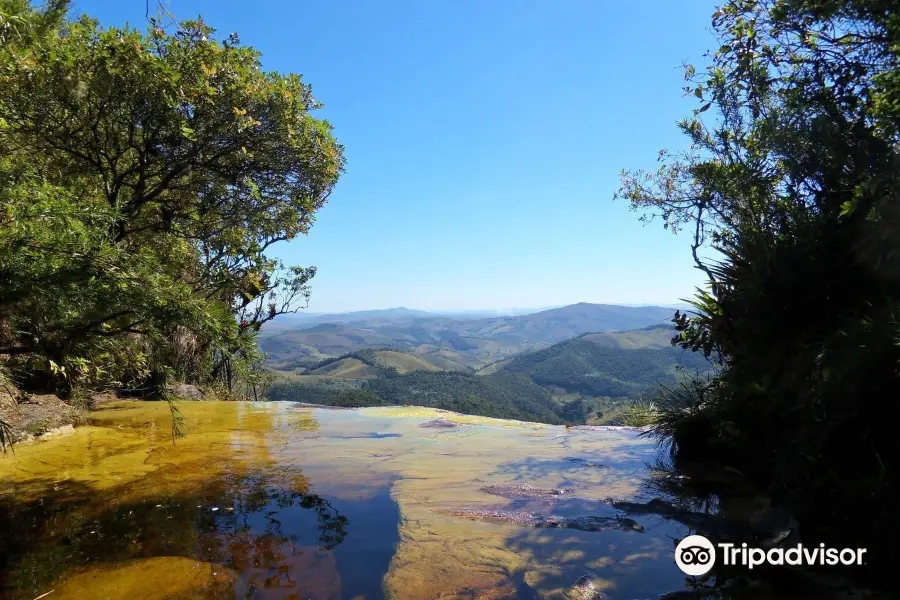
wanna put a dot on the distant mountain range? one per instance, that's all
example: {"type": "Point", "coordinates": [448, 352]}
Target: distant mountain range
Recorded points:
{"type": "Point", "coordinates": [589, 378]}
{"type": "Point", "coordinates": [302, 319]}
{"type": "Point", "coordinates": [305, 339]}
{"type": "Point", "coordinates": [294, 320]}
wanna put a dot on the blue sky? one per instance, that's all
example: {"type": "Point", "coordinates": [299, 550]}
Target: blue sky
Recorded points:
{"type": "Point", "coordinates": [483, 141]}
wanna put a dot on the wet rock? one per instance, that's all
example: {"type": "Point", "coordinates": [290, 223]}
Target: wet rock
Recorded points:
{"type": "Point", "coordinates": [709, 525]}
{"type": "Point", "coordinates": [526, 519]}
{"type": "Point", "coordinates": [592, 523]}
{"type": "Point", "coordinates": [186, 391]}
{"type": "Point", "coordinates": [440, 423]}
{"type": "Point", "coordinates": [63, 430]}
{"type": "Point", "coordinates": [700, 594]}
{"type": "Point", "coordinates": [28, 416]}
{"type": "Point", "coordinates": [583, 462]}
{"type": "Point", "coordinates": [606, 428]}
{"type": "Point", "coordinates": [656, 506]}
{"type": "Point", "coordinates": [509, 490]}
{"type": "Point", "coordinates": [583, 589]}
{"type": "Point", "coordinates": [523, 519]}
{"type": "Point", "coordinates": [774, 525]}
{"type": "Point", "coordinates": [780, 537]}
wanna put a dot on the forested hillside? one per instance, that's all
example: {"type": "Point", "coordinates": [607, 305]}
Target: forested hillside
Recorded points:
{"type": "Point", "coordinates": [595, 367]}
{"type": "Point", "coordinates": [469, 342]}
{"type": "Point", "coordinates": [592, 378]}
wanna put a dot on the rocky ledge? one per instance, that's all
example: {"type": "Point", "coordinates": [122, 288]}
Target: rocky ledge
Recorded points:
{"type": "Point", "coordinates": [440, 423]}
{"type": "Point", "coordinates": [509, 490]}
{"type": "Point", "coordinates": [24, 417]}
{"type": "Point", "coordinates": [527, 519]}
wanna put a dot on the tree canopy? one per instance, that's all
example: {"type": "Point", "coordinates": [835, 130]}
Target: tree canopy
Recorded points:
{"type": "Point", "coordinates": [144, 176]}
{"type": "Point", "coordinates": [789, 188]}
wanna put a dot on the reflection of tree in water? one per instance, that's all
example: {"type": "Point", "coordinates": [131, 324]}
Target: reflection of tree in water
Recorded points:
{"type": "Point", "coordinates": [268, 558]}
{"type": "Point", "coordinates": [255, 494]}
{"type": "Point", "coordinates": [76, 527]}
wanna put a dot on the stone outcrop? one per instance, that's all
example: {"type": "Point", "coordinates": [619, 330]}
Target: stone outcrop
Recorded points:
{"type": "Point", "coordinates": [186, 391]}
{"type": "Point", "coordinates": [526, 519]}
{"type": "Point", "coordinates": [27, 416]}
{"type": "Point", "coordinates": [769, 529]}
{"type": "Point", "coordinates": [510, 490]}
{"type": "Point", "coordinates": [583, 462]}
{"type": "Point", "coordinates": [440, 423]}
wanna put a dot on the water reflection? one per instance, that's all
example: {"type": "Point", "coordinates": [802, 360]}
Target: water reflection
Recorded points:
{"type": "Point", "coordinates": [219, 516]}
{"type": "Point", "coordinates": [266, 527]}
{"type": "Point", "coordinates": [280, 501]}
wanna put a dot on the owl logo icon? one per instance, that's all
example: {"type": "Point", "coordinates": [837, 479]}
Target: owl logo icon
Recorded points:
{"type": "Point", "coordinates": [695, 555]}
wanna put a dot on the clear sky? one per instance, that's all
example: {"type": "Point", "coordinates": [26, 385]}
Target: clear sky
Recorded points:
{"type": "Point", "coordinates": [483, 141]}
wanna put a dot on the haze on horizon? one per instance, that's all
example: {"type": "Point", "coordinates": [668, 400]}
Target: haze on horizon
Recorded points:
{"type": "Point", "coordinates": [498, 311]}
{"type": "Point", "coordinates": [483, 144]}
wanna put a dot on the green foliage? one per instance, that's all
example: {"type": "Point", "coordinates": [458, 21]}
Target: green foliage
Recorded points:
{"type": "Point", "coordinates": [640, 415]}
{"type": "Point", "coordinates": [142, 179]}
{"type": "Point", "coordinates": [334, 394]}
{"type": "Point", "coordinates": [39, 427]}
{"type": "Point", "coordinates": [585, 367]}
{"type": "Point", "coordinates": [502, 395]}
{"type": "Point", "coordinates": [795, 184]}
{"type": "Point", "coordinates": [607, 377]}
{"type": "Point", "coordinates": [366, 356]}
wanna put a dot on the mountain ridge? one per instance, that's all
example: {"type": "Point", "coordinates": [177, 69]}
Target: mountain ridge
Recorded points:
{"type": "Point", "coordinates": [589, 378]}
{"type": "Point", "coordinates": [483, 340]}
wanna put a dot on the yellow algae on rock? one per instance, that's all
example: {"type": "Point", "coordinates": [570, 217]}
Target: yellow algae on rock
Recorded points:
{"type": "Point", "coordinates": [442, 554]}
{"type": "Point", "coordinates": [136, 440]}
{"type": "Point", "coordinates": [280, 493]}
{"type": "Point", "coordinates": [437, 413]}
{"type": "Point", "coordinates": [161, 578]}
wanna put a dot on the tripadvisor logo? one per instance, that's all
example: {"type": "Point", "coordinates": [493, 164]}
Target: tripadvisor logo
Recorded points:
{"type": "Point", "coordinates": [695, 555]}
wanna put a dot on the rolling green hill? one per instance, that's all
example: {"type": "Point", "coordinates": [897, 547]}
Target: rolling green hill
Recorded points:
{"type": "Point", "coordinates": [403, 362]}
{"type": "Point", "coordinates": [447, 360]}
{"type": "Point", "coordinates": [590, 378]}
{"type": "Point", "coordinates": [471, 342]}
{"type": "Point", "coordinates": [615, 365]}
{"type": "Point", "coordinates": [346, 368]}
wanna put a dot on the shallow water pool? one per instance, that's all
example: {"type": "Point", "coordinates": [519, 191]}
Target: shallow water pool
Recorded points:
{"type": "Point", "coordinates": [277, 500]}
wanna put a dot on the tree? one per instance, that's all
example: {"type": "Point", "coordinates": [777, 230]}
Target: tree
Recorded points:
{"type": "Point", "coordinates": [790, 193]}
{"type": "Point", "coordinates": [143, 179]}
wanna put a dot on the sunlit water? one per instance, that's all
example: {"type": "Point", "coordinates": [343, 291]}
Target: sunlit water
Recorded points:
{"type": "Point", "coordinates": [276, 500]}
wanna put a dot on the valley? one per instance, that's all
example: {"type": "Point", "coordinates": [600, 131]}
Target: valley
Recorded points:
{"type": "Point", "coordinates": [584, 363]}
{"type": "Point", "coordinates": [296, 342]}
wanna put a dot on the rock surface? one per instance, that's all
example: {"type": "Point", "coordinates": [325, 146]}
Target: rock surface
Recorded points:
{"type": "Point", "coordinates": [769, 530]}
{"type": "Point", "coordinates": [526, 519]}
{"type": "Point", "coordinates": [606, 428]}
{"type": "Point", "coordinates": [586, 463]}
{"type": "Point", "coordinates": [440, 423]}
{"type": "Point", "coordinates": [28, 416]}
{"type": "Point", "coordinates": [186, 391]}
{"type": "Point", "coordinates": [509, 490]}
